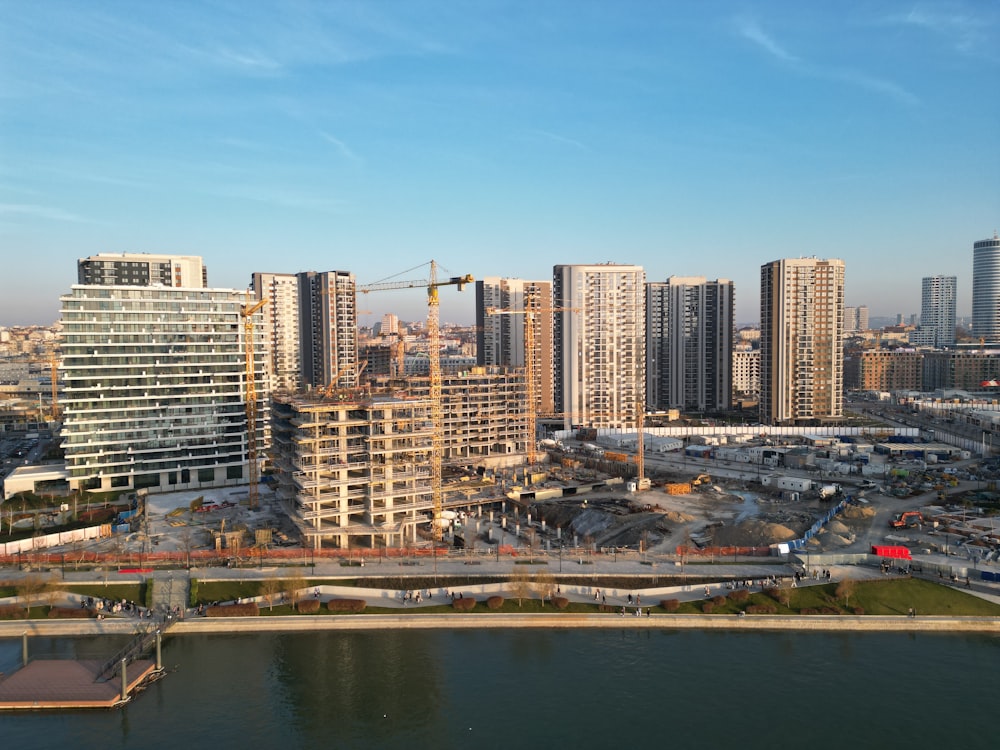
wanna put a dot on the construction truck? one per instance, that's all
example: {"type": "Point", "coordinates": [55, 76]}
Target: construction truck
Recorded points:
{"type": "Point", "coordinates": [903, 520]}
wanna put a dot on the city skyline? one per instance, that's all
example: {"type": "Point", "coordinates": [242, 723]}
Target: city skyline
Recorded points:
{"type": "Point", "coordinates": [500, 140]}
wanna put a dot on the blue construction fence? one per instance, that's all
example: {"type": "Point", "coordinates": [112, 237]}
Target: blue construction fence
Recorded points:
{"type": "Point", "coordinates": [800, 543]}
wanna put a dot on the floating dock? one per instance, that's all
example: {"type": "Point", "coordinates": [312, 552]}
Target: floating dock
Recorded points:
{"type": "Point", "coordinates": [59, 684]}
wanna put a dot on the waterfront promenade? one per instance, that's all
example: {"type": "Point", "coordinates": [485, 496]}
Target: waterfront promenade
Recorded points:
{"type": "Point", "coordinates": [582, 588]}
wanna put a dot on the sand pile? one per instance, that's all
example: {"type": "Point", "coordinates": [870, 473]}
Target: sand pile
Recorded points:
{"type": "Point", "coordinates": [836, 527]}
{"type": "Point", "coordinates": [858, 511]}
{"type": "Point", "coordinates": [674, 516]}
{"type": "Point", "coordinates": [753, 533]}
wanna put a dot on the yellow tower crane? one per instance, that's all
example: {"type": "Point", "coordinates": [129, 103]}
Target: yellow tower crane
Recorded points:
{"type": "Point", "coordinates": [530, 354]}
{"type": "Point", "coordinates": [250, 395]}
{"type": "Point", "coordinates": [434, 361]}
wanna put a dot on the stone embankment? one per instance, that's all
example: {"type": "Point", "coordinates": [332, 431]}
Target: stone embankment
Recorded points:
{"type": "Point", "coordinates": [415, 621]}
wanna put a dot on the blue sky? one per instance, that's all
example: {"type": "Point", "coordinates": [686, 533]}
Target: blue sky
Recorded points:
{"type": "Point", "coordinates": [499, 138]}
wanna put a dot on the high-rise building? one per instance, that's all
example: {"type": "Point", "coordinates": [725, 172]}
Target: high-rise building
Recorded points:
{"type": "Point", "coordinates": [389, 326]}
{"type": "Point", "coordinates": [142, 269]}
{"type": "Point", "coordinates": [746, 373]}
{"type": "Point", "coordinates": [154, 383]}
{"type": "Point", "coordinates": [501, 339]}
{"type": "Point", "coordinates": [689, 344]}
{"type": "Point", "coordinates": [801, 342]}
{"type": "Point", "coordinates": [600, 350]}
{"type": "Point", "coordinates": [328, 328]}
{"type": "Point", "coordinates": [986, 289]}
{"type": "Point", "coordinates": [856, 319]}
{"type": "Point", "coordinates": [281, 321]}
{"type": "Point", "coordinates": [937, 313]}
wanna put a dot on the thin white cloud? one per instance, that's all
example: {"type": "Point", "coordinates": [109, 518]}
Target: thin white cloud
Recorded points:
{"type": "Point", "coordinates": [878, 85]}
{"type": "Point", "coordinates": [252, 61]}
{"type": "Point", "coordinates": [559, 139]}
{"type": "Point", "coordinates": [341, 147]}
{"type": "Point", "coordinates": [34, 211]}
{"type": "Point", "coordinates": [749, 29]}
{"type": "Point", "coordinates": [278, 197]}
{"type": "Point", "coordinates": [966, 32]}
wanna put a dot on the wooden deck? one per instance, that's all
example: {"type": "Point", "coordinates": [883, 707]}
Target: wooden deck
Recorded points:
{"type": "Point", "coordinates": [66, 684]}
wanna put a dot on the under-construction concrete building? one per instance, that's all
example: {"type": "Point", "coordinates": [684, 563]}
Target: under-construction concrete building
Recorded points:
{"type": "Point", "coordinates": [359, 469]}
{"type": "Point", "coordinates": [485, 416]}
{"type": "Point", "coordinates": [353, 468]}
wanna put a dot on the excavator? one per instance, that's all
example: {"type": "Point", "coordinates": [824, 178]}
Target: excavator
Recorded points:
{"type": "Point", "coordinates": [902, 520]}
{"type": "Point", "coordinates": [701, 479]}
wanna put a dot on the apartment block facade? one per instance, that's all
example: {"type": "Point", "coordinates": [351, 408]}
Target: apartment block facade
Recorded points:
{"type": "Point", "coordinates": [281, 322]}
{"type": "Point", "coordinates": [502, 339]}
{"type": "Point", "coordinates": [884, 370]}
{"type": "Point", "coordinates": [328, 328]}
{"type": "Point", "coordinates": [142, 269]}
{"type": "Point", "coordinates": [600, 350]}
{"type": "Point", "coordinates": [937, 312]}
{"type": "Point", "coordinates": [153, 387]}
{"type": "Point", "coordinates": [746, 373]}
{"type": "Point", "coordinates": [689, 344]}
{"type": "Point", "coordinates": [802, 331]}
{"type": "Point", "coordinates": [962, 370]}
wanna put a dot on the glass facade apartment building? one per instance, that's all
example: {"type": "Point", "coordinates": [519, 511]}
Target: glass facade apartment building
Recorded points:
{"type": "Point", "coordinates": [986, 290]}
{"type": "Point", "coordinates": [154, 382]}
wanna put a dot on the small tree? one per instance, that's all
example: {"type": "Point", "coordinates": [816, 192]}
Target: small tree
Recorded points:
{"type": "Point", "coordinates": [520, 586]}
{"type": "Point", "coordinates": [270, 589]}
{"type": "Point", "coordinates": [844, 590]}
{"type": "Point", "coordinates": [544, 584]}
{"type": "Point", "coordinates": [31, 588]}
{"type": "Point", "coordinates": [294, 582]}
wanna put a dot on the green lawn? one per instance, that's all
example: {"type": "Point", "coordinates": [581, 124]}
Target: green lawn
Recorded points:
{"type": "Point", "coordinates": [892, 597]}
{"type": "Point", "coordinates": [132, 592]}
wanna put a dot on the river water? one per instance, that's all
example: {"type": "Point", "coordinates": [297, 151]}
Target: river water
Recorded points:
{"type": "Point", "coordinates": [529, 688]}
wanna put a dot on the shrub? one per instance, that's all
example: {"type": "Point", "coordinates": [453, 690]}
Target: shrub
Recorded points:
{"type": "Point", "coordinates": [782, 596]}
{"type": "Point", "coordinates": [719, 600]}
{"type": "Point", "coordinates": [809, 611]}
{"type": "Point", "coordinates": [739, 595]}
{"type": "Point", "coordinates": [608, 608]}
{"type": "Point", "coordinates": [707, 607]}
{"type": "Point", "coordinates": [346, 605]}
{"type": "Point", "coordinates": [671, 605]}
{"type": "Point", "coordinates": [307, 606]}
{"type": "Point", "coordinates": [560, 602]}
{"type": "Point", "coordinates": [66, 613]}
{"type": "Point", "coordinates": [495, 602]}
{"type": "Point", "coordinates": [859, 610]}
{"type": "Point", "coordinates": [12, 612]}
{"type": "Point", "coordinates": [465, 604]}
{"type": "Point", "coordinates": [761, 609]}
{"type": "Point", "coordinates": [233, 610]}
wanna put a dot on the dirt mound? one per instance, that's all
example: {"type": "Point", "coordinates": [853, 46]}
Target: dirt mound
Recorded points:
{"type": "Point", "coordinates": [836, 527]}
{"type": "Point", "coordinates": [858, 511]}
{"type": "Point", "coordinates": [752, 534]}
{"type": "Point", "coordinates": [674, 516]}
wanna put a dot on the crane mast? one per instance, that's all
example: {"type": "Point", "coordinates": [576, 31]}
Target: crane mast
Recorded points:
{"type": "Point", "coordinates": [531, 395]}
{"type": "Point", "coordinates": [434, 364]}
{"type": "Point", "coordinates": [250, 397]}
